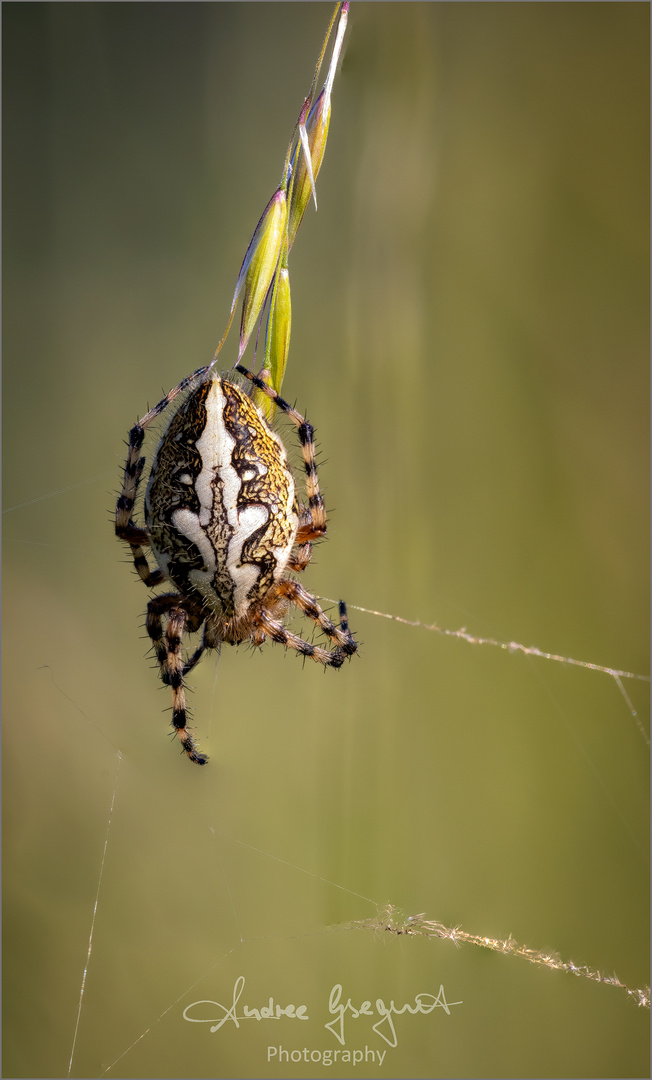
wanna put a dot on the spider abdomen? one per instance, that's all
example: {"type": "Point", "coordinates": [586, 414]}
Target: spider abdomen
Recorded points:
{"type": "Point", "coordinates": [220, 505]}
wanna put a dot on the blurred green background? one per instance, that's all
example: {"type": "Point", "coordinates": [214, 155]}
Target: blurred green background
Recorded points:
{"type": "Point", "coordinates": [470, 340]}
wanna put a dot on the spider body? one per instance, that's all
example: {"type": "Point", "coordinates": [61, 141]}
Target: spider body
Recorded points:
{"type": "Point", "coordinates": [224, 524]}
{"type": "Point", "coordinates": [220, 508]}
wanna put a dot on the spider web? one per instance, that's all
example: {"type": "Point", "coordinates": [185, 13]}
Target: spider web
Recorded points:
{"type": "Point", "coordinates": [458, 808]}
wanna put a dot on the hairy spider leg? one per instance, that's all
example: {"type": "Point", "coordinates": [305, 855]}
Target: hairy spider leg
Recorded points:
{"type": "Point", "coordinates": [277, 632]}
{"type": "Point", "coordinates": [172, 667]}
{"type": "Point", "coordinates": [306, 603]}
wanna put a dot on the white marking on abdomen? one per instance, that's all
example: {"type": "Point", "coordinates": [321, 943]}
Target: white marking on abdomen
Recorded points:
{"type": "Point", "coordinates": [244, 577]}
{"type": "Point", "coordinates": [215, 447]}
{"type": "Point", "coordinates": [189, 526]}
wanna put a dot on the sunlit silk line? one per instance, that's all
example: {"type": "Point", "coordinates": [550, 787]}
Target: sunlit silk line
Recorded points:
{"type": "Point", "coordinates": [390, 918]}
{"type": "Point", "coordinates": [514, 646]}
{"type": "Point", "coordinates": [301, 870]}
{"type": "Point", "coordinates": [46, 667]}
{"type": "Point", "coordinates": [631, 707]}
{"type": "Point", "coordinates": [58, 491]}
{"type": "Point", "coordinates": [228, 889]}
{"type": "Point", "coordinates": [169, 1007]}
{"type": "Point", "coordinates": [575, 735]}
{"type": "Point", "coordinates": [97, 897]}
{"type": "Point", "coordinates": [509, 646]}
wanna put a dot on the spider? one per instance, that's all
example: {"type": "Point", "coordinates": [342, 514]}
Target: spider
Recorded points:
{"type": "Point", "coordinates": [224, 525]}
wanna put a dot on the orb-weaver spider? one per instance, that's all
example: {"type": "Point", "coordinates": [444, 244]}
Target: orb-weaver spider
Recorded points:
{"type": "Point", "coordinates": [224, 526]}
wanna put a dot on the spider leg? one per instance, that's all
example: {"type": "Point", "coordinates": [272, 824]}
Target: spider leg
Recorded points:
{"type": "Point", "coordinates": [125, 528]}
{"type": "Point", "coordinates": [172, 667]}
{"type": "Point", "coordinates": [194, 659]}
{"type": "Point", "coordinates": [299, 559]}
{"type": "Point", "coordinates": [333, 658]}
{"type": "Point", "coordinates": [306, 603]}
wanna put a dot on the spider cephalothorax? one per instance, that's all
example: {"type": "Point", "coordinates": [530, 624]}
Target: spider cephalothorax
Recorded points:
{"type": "Point", "coordinates": [224, 524]}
